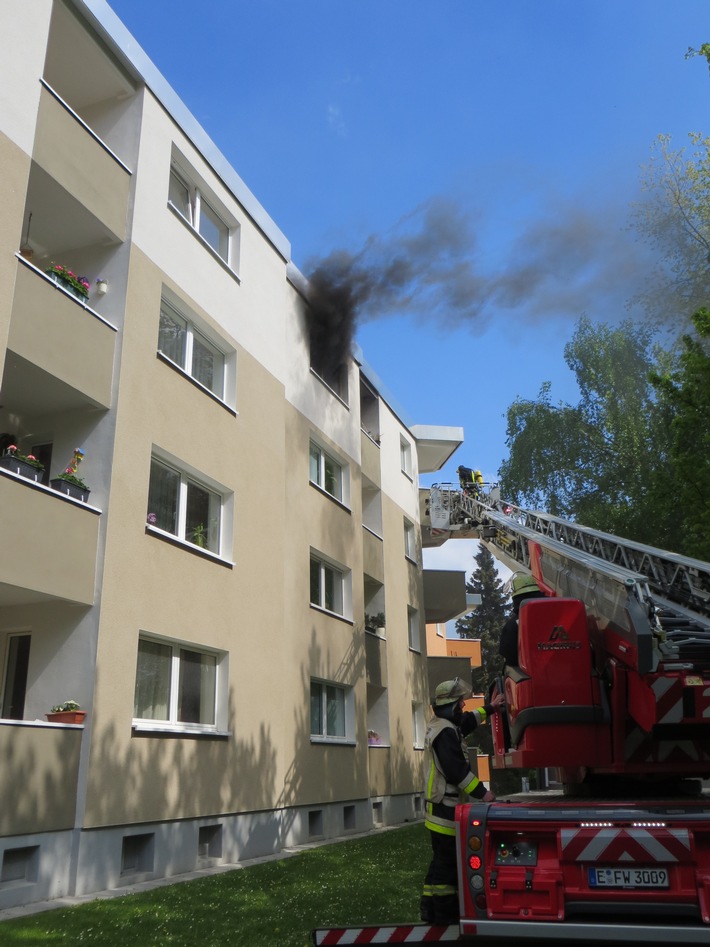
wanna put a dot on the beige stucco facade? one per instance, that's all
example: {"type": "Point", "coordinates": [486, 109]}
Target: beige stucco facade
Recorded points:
{"type": "Point", "coordinates": [91, 142]}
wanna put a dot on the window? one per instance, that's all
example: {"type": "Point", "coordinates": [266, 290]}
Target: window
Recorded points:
{"type": "Point", "coordinates": [405, 456]}
{"type": "Point", "coordinates": [179, 505]}
{"type": "Point", "coordinates": [410, 544]}
{"type": "Point", "coordinates": [327, 586]}
{"type": "Point", "coordinates": [180, 341]}
{"type": "Point", "coordinates": [202, 212]}
{"type": "Point", "coordinates": [326, 472]}
{"type": "Point", "coordinates": [16, 666]}
{"type": "Point", "coordinates": [178, 685]}
{"type": "Point", "coordinates": [413, 629]}
{"type": "Point", "coordinates": [332, 716]}
{"type": "Point", "coordinates": [418, 724]}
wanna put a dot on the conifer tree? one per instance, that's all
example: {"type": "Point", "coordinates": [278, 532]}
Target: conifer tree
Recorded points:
{"type": "Point", "coordinates": [486, 621]}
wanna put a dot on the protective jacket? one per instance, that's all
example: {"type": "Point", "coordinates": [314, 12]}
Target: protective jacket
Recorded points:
{"type": "Point", "coordinates": [450, 772]}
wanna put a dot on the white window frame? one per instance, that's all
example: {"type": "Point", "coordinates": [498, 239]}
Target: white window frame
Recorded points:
{"type": "Point", "coordinates": [343, 589]}
{"type": "Point", "coordinates": [418, 725]}
{"type": "Point", "coordinates": [405, 457]}
{"type": "Point", "coordinates": [202, 203]}
{"type": "Point", "coordinates": [410, 540]}
{"type": "Point", "coordinates": [188, 475]}
{"type": "Point", "coordinates": [221, 688]}
{"type": "Point", "coordinates": [348, 711]}
{"type": "Point", "coordinates": [342, 495]}
{"type": "Point", "coordinates": [195, 329]}
{"type": "Point", "coordinates": [414, 631]}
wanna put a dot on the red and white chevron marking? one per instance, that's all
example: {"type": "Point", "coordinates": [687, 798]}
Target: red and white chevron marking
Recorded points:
{"type": "Point", "coordinates": [628, 846]}
{"type": "Point", "coordinates": [398, 934]}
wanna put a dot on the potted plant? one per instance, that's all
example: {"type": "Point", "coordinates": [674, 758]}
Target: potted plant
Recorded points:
{"type": "Point", "coordinates": [77, 285]}
{"type": "Point", "coordinates": [26, 465]}
{"type": "Point", "coordinates": [68, 712]}
{"type": "Point", "coordinates": [68, 482]}
{"type": "Point", "coordinates": [375, 623]}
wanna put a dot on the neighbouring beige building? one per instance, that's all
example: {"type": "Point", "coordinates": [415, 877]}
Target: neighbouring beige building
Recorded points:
{"type": "Point", "coordinates": [216, 603]}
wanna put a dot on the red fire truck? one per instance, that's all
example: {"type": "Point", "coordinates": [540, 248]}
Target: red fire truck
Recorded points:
{"type": "Point", "coordinates": [612, 695]}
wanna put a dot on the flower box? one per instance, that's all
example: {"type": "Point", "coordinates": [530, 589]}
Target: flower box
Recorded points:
{"type": "Point", "coordinates": [70, 489]}
{"type": "Point", "coordinates": [20, 467]}
{"type": "Point", "coordinates": [66, 716]}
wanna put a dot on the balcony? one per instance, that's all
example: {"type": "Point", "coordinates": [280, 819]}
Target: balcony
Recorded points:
{"type": "Point", "coordinates": [64, 350]}
{"type": "Point", "coordinates": [370, 458]}
{"type": "Point", "coordinates": [81, 164]}
{"type": "Point", "coordinates": [38, 780]}
{"type": "Point", "coordinates": [49, 545]}
{"type": "Point", "coordinates": [373, 560]}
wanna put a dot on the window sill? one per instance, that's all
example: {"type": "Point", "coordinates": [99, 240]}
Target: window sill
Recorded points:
{"type": "Point", "coordinates": [166, 730]}
{"type": "Point", "coordinates": [188, 547]}
{"type": "Point", "coordinates": [418, 746]}
{"type": "Point", "coordinates": [332, 741]}
{"type": "Point", "coordinates": [198, 384]}
{"type": "Point", "coordinates": [410, 559]}
{"type": "Point", "coordinates": [325, 611]}
{"type": "Point", "coordinates": [330, 496]}
{"type": "Point", "coordinates": [379, 746]}
{"type": "Point", "coordinates": [196, 233]}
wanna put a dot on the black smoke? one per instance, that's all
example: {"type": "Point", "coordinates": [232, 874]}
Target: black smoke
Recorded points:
{"type": "Point", "coordinates": [436, 266]}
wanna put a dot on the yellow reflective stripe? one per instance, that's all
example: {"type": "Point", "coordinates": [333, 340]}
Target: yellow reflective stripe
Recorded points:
{"type": "Point", "coordinates": [440, 828]}
{"type": "Point", "coordinates": [430, 781]}
{"type": "Point", "coordinates": [427, 891]}
{"type": "Point", "coordinates": [443, 890]}
{"type": "Point", "coordinates": [481, 714]}
{"type": "Point", "coordinates": [474, 781]}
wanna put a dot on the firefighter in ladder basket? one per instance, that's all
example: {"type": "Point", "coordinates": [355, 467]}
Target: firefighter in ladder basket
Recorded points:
{"type": "Point", "coordinates": [449, 775]}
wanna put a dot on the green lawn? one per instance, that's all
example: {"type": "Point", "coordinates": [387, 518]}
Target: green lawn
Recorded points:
{"type": "Point", "coordinates": [365, 880]}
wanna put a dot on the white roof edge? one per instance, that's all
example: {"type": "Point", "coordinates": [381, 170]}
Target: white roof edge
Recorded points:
{"type": "Point", "coordinates": [117, 36]}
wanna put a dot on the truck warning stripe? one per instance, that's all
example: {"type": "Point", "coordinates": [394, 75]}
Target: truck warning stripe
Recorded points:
{"type": "Point", "coordinates": [398, 934]}
{"type": "Point", "coordinates": [631, 846]}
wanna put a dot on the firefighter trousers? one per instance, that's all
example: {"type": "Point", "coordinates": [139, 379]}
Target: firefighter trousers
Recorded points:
{"type": "Point", "coordinates": [440, 902]}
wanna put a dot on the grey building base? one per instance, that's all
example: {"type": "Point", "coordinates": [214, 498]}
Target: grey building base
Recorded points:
{"type": "Point", "coordinates": [55, 865]}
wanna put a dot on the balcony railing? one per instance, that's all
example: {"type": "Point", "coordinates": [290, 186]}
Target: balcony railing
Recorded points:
{"type": "Point", "coordinates": [48, 546]}
{"type": "Point", "coordinates": [62, 335]}
{"type": "Point", "coordinates": [38, 778]}
{"type": "Point", "coordinates": [76, 158]}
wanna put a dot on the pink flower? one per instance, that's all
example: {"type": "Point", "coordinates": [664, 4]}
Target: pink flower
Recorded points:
{"type": "Point", "coordinates": [12, 447]}
{"type": "Point", "coordinates": [31, 457]}
{"type": "Point", "coordinates": [68, 470]}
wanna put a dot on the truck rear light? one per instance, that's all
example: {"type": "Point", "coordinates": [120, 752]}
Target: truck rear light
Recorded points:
{"type": "Point", "coordinates": [474, 862]}
{"type": "Point", "coordinates": [477, 884]}
{"type": "Point", "coordinates": [474, 843]}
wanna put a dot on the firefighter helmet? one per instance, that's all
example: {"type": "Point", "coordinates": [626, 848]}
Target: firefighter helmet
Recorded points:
{"type": "Point", "coordinates": [524, 584]}
{"type": "Point", "coordinates": [448, 692]}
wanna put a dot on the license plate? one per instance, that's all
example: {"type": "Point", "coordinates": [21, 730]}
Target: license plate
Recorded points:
{"type": "Point", "coordinates": [628, 877]}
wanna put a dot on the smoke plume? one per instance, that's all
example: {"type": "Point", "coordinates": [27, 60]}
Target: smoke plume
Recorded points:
{"type": "Point", "coordinates": [433, 265]}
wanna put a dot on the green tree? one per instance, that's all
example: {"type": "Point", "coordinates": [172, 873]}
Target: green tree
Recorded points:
{"type": "Point", "coordinates": [674, 218]}
{"type": "Point", "coordinates": [600, 461]}
{"type": "Point", "coordinates": [685, 396]}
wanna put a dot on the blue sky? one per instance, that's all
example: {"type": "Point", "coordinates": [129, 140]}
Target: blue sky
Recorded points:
{"type": "Point", "coordinates": [529, 121]}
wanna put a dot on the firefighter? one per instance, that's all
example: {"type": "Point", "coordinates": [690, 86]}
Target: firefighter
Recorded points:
{"type": "Point", "coordinates": [523, 587]}
{"type": "Point", "coordinates": [449, 775]}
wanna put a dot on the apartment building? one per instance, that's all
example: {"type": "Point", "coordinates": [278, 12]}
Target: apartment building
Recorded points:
{"type": "Point", "coordinates": [233, 591]}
